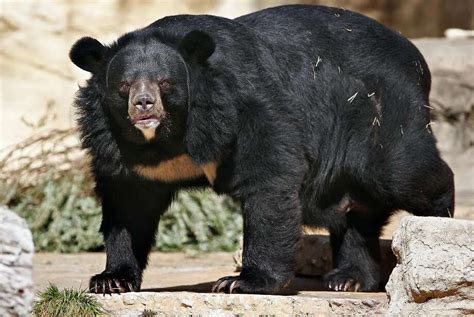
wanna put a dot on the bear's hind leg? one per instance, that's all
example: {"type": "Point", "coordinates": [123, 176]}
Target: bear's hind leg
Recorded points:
{"type": "Point", "coordinates": [356, 252]}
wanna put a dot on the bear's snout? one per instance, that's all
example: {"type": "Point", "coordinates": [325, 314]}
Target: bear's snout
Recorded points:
{"type": "Point", "coordinates": [144, 94]}
{"type": "Point", "coordinates": [144, 104]}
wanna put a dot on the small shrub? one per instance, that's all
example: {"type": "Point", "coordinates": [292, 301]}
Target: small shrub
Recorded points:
{"type": "Point", "coordinates": [202, 221]}
{"type": "Point", "coordinates": [62, 213]}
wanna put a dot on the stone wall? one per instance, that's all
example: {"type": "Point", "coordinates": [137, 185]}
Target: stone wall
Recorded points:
{"type": "Point", "coordinates": [414, 18]}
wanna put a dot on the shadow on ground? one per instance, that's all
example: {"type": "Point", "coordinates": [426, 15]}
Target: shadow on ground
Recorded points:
{"type": "Point", "coordinates": [297, 285]}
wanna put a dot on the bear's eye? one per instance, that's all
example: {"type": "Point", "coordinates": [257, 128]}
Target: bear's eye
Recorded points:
{"type": "Point", "coordinates": [165, 85]}
{"type": "Point", "coordinates": [124, 88]}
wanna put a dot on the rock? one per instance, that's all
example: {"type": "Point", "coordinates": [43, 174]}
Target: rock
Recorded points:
{"type": "Point", "coordinates": [435, 268]}
{"type": "Point", "coordinates": [16, 255]}
{"type": "Point", "coordinates": [315, 257]}
{"type": "Point", "coordinates": [129, 298]}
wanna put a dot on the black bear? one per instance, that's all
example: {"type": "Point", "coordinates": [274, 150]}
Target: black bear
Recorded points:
{"type": "Point", "coordinates": [307, 115]}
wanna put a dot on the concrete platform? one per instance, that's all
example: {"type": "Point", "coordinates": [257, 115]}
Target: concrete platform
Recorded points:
{"type": "Point", "coordinates": [179, 284]}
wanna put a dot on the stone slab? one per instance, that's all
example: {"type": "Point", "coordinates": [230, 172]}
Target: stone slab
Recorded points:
{"type": "Point", "coordinates": [205, 304]}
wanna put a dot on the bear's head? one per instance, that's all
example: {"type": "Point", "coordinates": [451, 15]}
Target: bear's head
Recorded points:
{"type": "Point", "coordinates": [145, 81]}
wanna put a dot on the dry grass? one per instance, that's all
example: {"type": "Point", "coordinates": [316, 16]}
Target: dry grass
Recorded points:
{"type": "Point", "coordinates": [50, 152]}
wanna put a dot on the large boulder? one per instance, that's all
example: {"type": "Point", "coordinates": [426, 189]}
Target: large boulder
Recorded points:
{"type": "Point", "coordinates": [16, 257]}
{"type": "Point", "coordinates": [435, 268]}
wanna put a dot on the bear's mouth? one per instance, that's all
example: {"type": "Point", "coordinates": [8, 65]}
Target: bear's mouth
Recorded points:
{"type": "Point", "coordinates": [146, 122]}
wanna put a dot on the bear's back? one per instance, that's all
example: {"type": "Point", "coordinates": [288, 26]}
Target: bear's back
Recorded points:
{"type": "Point", "coordinates": [353, 42]}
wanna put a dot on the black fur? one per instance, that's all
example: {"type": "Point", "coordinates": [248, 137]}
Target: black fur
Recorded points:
{"type": "Point", "coordinates": [316, 116]}
{"type": "Point", "coordinates": [88, 54]}
{"type": "Point", "coordinates": [197, 46]}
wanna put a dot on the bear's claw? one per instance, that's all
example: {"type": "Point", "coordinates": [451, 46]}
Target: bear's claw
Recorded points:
{"type": "Point", "coordinates": [248, 284]}
{"type": "Point", "coordinates": [342, 281]}
{"type": "Point", "coordinates": [107, 283]}
{"type": "Point", "coordinates": [228, 284]}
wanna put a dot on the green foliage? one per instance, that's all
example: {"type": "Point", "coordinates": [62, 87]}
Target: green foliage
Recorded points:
{"type": "Point", "coordinates": [200, 221]}
{"type": "Point", "coordinates": [69, 302]}
{"type": "Point", "coordinates": [64, 215]}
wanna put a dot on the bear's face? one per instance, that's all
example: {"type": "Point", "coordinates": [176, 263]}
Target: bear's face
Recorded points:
{"type": "Point", "coordinates": [146, 82]}
{"type": "Point", "coordinates": [147, 89]}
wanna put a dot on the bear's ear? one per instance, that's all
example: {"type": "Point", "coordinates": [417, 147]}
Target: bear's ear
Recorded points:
{"type": "Point", "coordinates": [88, 54]}
{"type": "Point", "coordinates": [197, 46]}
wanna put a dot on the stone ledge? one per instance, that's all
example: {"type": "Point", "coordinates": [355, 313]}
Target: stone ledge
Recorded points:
{"type": "Point", "coordinates": [205, 304]}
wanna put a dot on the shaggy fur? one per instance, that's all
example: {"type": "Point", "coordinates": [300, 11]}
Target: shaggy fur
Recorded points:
{"type": "Point", "coordinates": [313, 115]}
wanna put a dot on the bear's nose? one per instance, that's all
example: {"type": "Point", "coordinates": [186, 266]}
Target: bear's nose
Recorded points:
{"type": "Point", "coordinates": [144, 102]}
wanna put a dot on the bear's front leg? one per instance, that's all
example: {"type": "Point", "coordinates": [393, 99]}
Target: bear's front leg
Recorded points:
{"type": "Point", "coordinates": [131, 212]}
{"type": "Point", "coordinates": [272, 230]}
